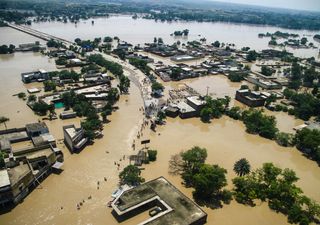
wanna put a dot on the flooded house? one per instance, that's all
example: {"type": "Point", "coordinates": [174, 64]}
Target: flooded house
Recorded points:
{"type": "Point", "coordinates": [31, 155]}
{"type": "Point", "coordinates": [74, 138]}
{"type": "Point", "coordinates": [38, 75]}
{"type": "Point", "coordinates": [165, 203]}
{"type": "Point", "coordinates": [250, 98]}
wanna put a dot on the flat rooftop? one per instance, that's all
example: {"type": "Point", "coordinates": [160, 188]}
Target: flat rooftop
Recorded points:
{"type": "Point", "coordinates": [179, 208]}
{"type": "Point", "coordinates": [18, 172]}
{"type": "Point", "coordinates": [4, 178]}
{"type": "Point", "coordinates": [71, 132]}
{"type": "Point", "coordinates": [184, 107]}
{"type": "Point", "coordinates": [196, 100]}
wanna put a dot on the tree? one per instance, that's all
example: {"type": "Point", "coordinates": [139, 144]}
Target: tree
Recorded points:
{"type": "Point", "coordinates": [4, 120]}
{"type": "Point", "coordinates": [242, 167]}
{"type": "Point", "coordinates": [284, 139]}
{"type": "Point", "coordinates": [113, 96]}
{"type": "Point", "coordinates": [267, 71]}
{"type": "Point", "coordinates": [156, 86]}
{"type": "Point", "coordinates": [32, 98]}
{"type": "Point", "coordinates": [235, 113]}
{"type": "Point", "coordinates": [258, 123]}
{"type": "Point", "coordinates": [152, 155]}
{"type": "Point", "coordinates": [49, 85]}
{"type": "Point", "coordinates": [124, 84]}
{"type": "Point", "coordinates": [21, 95]}
{"type": "Point", "coordinates": [206, 114]}
{"type": "Point", "coordinates": [131, 176]}
{"type": "Point", "coordinates": [216, 44]}
{"type": "Point", "coordinates": [308, 141]}
{"type": "Point", "coordinates": [252, 55]}
{"type": "Point", "coordinates": [161, 116]}
{"type": "Point", "coordinates": [107, 39]}
{"type": "Point", "coordinates": [209, 181]}
{"type": "Point", "coordinates": [303, 41]}
{"type": "Point", "coordinates": [40, 108]}
{"type": "Point", "coordinates": [192, 161]}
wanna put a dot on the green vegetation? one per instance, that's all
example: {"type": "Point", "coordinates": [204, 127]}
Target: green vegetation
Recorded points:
{"type": "Point", "coordinates": [214, 108]}
{"type": "Point", "coordinates": [4, 120]}
{"type": "Point", "coordinates": [55, 44]}
{"type": "Point", "coordinates": [2, 162]}
{"type": "Point", "coordinates": [49, 85]}
{"type": "Point", "coordinates": [161, 116]}
{"type": "Point", "coordinates": [277, 187]}
{"type": "Point", "coordinates": [156, 86]}
{"type": "Point", "coordinates": [61, 61]}
{"type": "Point", "coordinates": [284, 139]}
{"type": "Point", "coordinates": [83, 107]}
{"type": "Point", "coordinates": [308, 141]}
{"type": "Point", "coordinates": [88, 45]}
{"type": "Point", "coordinates": [152, 155]}
{"type": "Point", "coordinates": [216, 44]}
{"type": "Point", "coordinates": [114, 68]}
{"type": "Point", "coordinates": [141, 65]}
{"type": "Point", "coordinates": [258, 123]}
{"type": "Point", "coordinates": [273, 42]}
{"type": "Point", "coordinates": [306, 105]}
{"type": "Point", "coordinates": [267, 71]}
{"type": "Point", "coordinates": [252, 55]}
{"type": "Point", "coordinates": [131, 176]}
{"type": "Point", "coordinates": [181, 33]}
{"type": "Point", "coordinates": [234, 113]}
{"type": "Point", "coordinates": [42, 108]}
{"type": "Point", "coordinates": [65, 75]}
{"type": "Point", "coordinates": [237, 76]}
{"type": "Point", "coordinates": [32, 98]}
{"type": "Point", "coordinates": [21, 95]}
{"type": "Point", "coordinates": [242, 167]}
{"type": "Point", "coordinates": [13, 16]}
{"type": "Point", "coordinates": [207, 180]}
{"type": "Point", "coordinates": [4, 49]}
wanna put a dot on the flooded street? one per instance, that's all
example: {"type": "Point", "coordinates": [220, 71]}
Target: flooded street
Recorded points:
{"type": "Point", "coordinates": [54, 202]}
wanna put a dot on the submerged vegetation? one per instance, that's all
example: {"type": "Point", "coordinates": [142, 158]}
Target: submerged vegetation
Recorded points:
{"type": "Point", "coordinates": [267, 184]}
{"type": "Point", "coordinates": [277, 187]}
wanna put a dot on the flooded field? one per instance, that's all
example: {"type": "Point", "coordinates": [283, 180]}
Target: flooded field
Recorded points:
{"type": "Point", "coordinates": [142, 31]}
{"type": "Point", "coordinates": [55, 200]}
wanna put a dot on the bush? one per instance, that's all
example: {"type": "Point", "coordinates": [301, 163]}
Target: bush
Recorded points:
{"type": "Point", "coordinates": [152, 155]}
{"type": "Point", "coordinates": [21, 95]}
{"type": "Point", "coordinates": [284, 139]}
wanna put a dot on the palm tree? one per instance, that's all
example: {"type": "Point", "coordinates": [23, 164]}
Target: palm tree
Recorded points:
{"type": "Point", "coordinates": [242, 167]}
{"type": "Point", "coordinates": [4, 120]}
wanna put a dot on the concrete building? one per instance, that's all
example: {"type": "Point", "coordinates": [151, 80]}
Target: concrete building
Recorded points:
{"type": "Point", "coordinates": [68, 114]}
{"type": "Point", "coordinates": [264, 83]}
{"type": "Point", "coordinates": [39, 75]}
{"type": "Point", "coordinates": [74, 138]}
{"type": "Point", "coordinates": [185, 110]}
{"type": "Point", "coordinates": [250, 98]}
{"type": "Point", "coordinates": [36, 129]}
{"type": "Point", "coordinates": [165, 203]}
{"type": "Point", "coordinates": [31, 156]}
{"type": "Point", "coordinates": [196, 102]}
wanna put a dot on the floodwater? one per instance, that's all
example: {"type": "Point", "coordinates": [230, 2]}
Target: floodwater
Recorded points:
{"type": "Point", "coordinates": [55, 200]}
{"type": "Point", "coordinates": [142, 31]}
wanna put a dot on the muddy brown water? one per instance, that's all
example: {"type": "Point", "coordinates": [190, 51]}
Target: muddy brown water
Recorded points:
{"type": "Point", "coordinates": [225, 139]}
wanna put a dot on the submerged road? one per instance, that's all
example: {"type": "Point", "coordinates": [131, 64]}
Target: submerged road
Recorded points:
{"type": "Point", "coordinates": [135, 75]}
